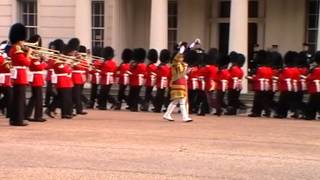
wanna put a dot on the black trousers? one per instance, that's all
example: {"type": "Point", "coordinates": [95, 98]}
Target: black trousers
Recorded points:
{"type": "Point", "coordinates": [287, 101]}
{"type": "Point", "coordinates": [35, 103]}
{"type": "Point", "coordinates": [220, 101]}
{"type": "Point", "coordinates": [313, 106]}
{"type": "Point", "coordinates": [76, 97]}
{"type": "Point", "coordinates": [301, 106]}
{"type": "Point", "coordinates": [65, 101]}
{"type": "Point", "coordinates": [93, 94]}
{"type": "Point", "coordinates": [193, 101]}
{"type": "Point", "coordinates": [134, 97]}
{"type": "Point", "coordinates": [121, 93]}
{"type": "Point", "coordinates": [147, 98]}
{"type": "Point", "coordinates": [203, 102]}
{"type": "Point", "coordinates": [6, 100]}
{"type": "Point", "coordinates": [233, 100]}
{"type": "Point", "coordinates": [159, 100]}
{"type": "Point", "coordinates": [262, 101]}
{"type": "Point", "coordinates": [18, 105]}
{"type": "Point", "coordinates": [50, 93]}
{"type": "Point", "coordinates": [104, 96]}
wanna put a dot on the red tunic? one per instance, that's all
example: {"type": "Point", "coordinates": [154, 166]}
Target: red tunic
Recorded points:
{"type": "Point", "coordinates": [5, 75]}
{"type": "Point", "coordinates": [193, 75]}
{"type": "Point", "coordinates": [107, 72]}
{"type": "Point", "coordinates": [222, 79]}
{"type": "Point", "coordinates": [94, 73]}
{"type": "Point", "coordinates": [137, 76]}
{"type": "Point", "coordinates": [122, 73]}
{"type": "Point", "coordinates": [163, 76]}
{"type": "Point", "coordinates": [20, 62]}
{"type": "Point", "coordinates": [210, 76]}
{"type": "Point", "coordinates": [50, 69]}
{"type": "Point", "coordinates": [262, 80]}
{"type": "Point", "coordinates": [201, 78]}
{"type": "Point", "coordinates": [289, 79]}
{"type": "Point", "coordinates": [63, 73]}
{"type": "Point", "coordinates": [37, 73]}
{"type": "Point", "coordinates": [313, 81]}
{"type": "Point", "coordinates": [236, 75]}
{"type": "Point", "coordinates": [302, 82]}
{"type": "Point", "coordinates": [151, 75]}
{"type": "Point", "coordinates": [79, 73]}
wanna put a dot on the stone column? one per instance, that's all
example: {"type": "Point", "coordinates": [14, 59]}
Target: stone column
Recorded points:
{"type": "Point", "coordinates": [83, 22]}
{"type": "Point", "coordinates": [159, 24]}
{"type": "Point", "coordinates": [238, 38]}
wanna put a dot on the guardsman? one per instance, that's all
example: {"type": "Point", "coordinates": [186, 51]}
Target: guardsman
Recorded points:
{"type": "Point", "coordinates": [313, 85]}
{"type": "Point", "coordinates": [202, 101]}
{"type": "Point", "coordinates": [95, 81]}
{"type": "Point", "coordinates": [150, 79]}
{"type": "Point", "coordinates": [137, 78]}
{"type": "Point", "coordinates": [36, 79]}
{"type": "Point", "coordinates": [222, 81]}
{"type": "Point", "coordinates": [123, 76]}
{"type": "Point", "coordinates": [20, 62]}
{"type": "Point", "coordinates": [193, 83]}
{"type": "Point", "coordinates": [210, 74]}
{"type": "Point", "coordinates": [107, 72]}
{"type": "Point", "coordinates": [262, 84]}
{"type": "Point", "coordinates": [79, 78]}
{"type": "Point", "coordinates": [5, 85]}
{"type": "Point", "coordinates": [58, 45]}
{"type": "Point", "coordinates": [235, 83]}
{"type": "Point", "coordinates": [288, 86]}
{"type": "Point", "coordinates": [163, 79]}
{"type": "Point", "coordinates": [179, 88]}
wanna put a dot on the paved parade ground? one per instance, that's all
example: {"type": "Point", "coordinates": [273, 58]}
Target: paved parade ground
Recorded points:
{"type": "Point", "coordinates": [124, 145]}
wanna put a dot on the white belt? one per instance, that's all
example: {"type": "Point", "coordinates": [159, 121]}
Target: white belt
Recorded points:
{"type": "Point", "coordinates": [19, 67]}
{"type": "Point", "coordinates": [78, 71]}
{"type": "Point", "coordinates": [64, 74]}
{"type": "Point", "coordinates": [37, 72]}
{"type": "Point", "coordinates": [5, 74]}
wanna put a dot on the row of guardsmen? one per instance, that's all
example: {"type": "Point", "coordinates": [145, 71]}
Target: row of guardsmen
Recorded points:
{"type": "Point", "coordinates": [210, 77]}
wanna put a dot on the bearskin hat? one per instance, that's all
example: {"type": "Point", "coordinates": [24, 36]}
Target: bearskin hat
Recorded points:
{"type": "Point", "coordinates": [165, 56]}
{"type": "Point", "coordinates": [108, 53]}
{"type": "Point", "coordinates": [74, 44]}
{"type": "Point", "coordinates": [127, 55]}
{"type": "Point", "coordinates": [290, 58]}
{"type": "Point", "coordinates": [97, 51]}
{"type": "Point", "coordinates": [233, 57]}
{"type": "Point", "coordinates": [18, 32]}
{"type": "Point", "coordinates": [276, 58]}
{"type": "Point", "coordinates": [82, 49]}
{"type": "Point", "coordinates": [316, 57]}
{"type": "Point", "coordinates": [241, 59]}
{"type": "Point", "coordinates": [36, 38]}
{"type": "Point", "coordinates": [302, 60]}
{"type": "Point", "coordinates": [139, 55]}
{"type": "Point", "coordinates": [191, 57]}
{"type": "Point", "coordinates": [58, 45]}
{"type": "Point", "coordinates": [153, 55]}
{"type": "Point", "coordinates": [223, 61]}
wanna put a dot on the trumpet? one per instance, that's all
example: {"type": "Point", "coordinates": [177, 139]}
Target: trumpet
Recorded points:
{"type": "Point", "coordinates": [35, 46]}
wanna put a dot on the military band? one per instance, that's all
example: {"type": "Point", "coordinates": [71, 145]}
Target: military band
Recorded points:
{"type": "Point", "coordinates": [196, 81]}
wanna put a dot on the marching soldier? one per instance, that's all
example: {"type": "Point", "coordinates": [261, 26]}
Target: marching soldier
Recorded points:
{"type": "Point", "coordinates": [288, 85]}
{"type": "Point", "coordinates": [79, 77]}
{"type": "Point", "coordinates": [150, 79]}
{"type": "Point", "coordinates": [235, 83]}
{"type": "Point", "coordinates": [222, 80]}
{"type": "Point", "coordinates": [107, 72]}
{"type": "Point", "coordinates": [123, 76]}
{"type": "Point", "coordinates": [163, 79]}
{"type": "Point", "coordinates": [95, 81]}
{"type": "Point", "coordinates": [5, 85]}
{"type": "Point", "coordinates": [20, 62]}
{"type": "Point", "coordinates": [137, 70]}
{"type": "Point", "coordinates": [313, 84]}
{"type": "Point", "coordinates": [262, 85]}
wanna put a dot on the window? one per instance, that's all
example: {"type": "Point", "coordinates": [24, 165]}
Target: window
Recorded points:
{"type": "Point", "coordinates": [97, 24]}
{"type": "Point", "coordinates": [172, 24]}
{"type": "Point", "coordinates": [29, 11]}
{"type": "Point", "coordinates": [313, 20]}
{"type": "Point", "coordinates": [224, 7]}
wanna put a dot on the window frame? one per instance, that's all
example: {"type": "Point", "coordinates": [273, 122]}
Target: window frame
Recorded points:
{"type": "Point", "coordinates": [100, 27]}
